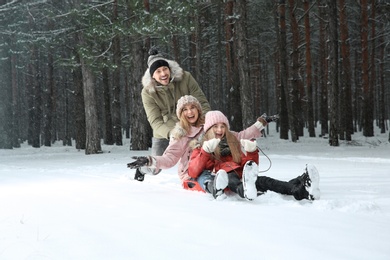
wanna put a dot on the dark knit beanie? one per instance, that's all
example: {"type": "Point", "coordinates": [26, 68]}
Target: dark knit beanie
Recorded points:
{"type": "Point", "coordinates": [156, 61]}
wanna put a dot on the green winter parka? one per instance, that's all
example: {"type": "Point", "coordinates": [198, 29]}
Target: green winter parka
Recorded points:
{"type": "Point", "coordinates": [160, 101]}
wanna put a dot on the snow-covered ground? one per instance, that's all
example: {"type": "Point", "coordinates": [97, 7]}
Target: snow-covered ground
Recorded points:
{"type": "Point", "coordinates": [58, 203]}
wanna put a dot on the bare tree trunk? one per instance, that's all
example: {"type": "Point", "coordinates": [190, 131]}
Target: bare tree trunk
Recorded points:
{"type": "Point", "coordinates": [240, 37]}
{"type": "Point", "coordinates": [309, 86]}
{"type": "Point", "coordinates": [277, 63]}
{"type": "Point", "coordinates": [219, 89]}
{"type": "Point", "coordinates": [80, 118]}
{"type": "Point", "coordinates": [323, 68]}
{"type": "Point", "coordinates": [107, 131]}
{"type": "Point", "coordinates": [231, 70]}
{"type": "Point", "coordinates": [285, 107]}
{"type": "Point", "coordinates": [334, 106]}
{"type": "Point", "coordinates": [294, 118]}
{"type": "Point", "coordinates": [93, 145]}
{"type": "Point", "coordinates": [92, 139]}
{"type": "Point", "coordinates": [35, 116]}
{"type": "Point", "coordinates": [382, 110]}
{"type": "Point", "coordinates": [372, 67]}
{"type": "Point", "coordinates": [14, 132]}
{"type": "Point", "coordinates": [346, 102]}
{"type": "Point", "coordinates": [368, 128]}
{"type": "Point", "coordinates": [140, 140]}
{"type": "Point", "coordinates": [127, 106]}
{"type": "Point", "coordinates": [116, 89]}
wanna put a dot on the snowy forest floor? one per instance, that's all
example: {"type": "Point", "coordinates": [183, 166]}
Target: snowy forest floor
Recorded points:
{"type": "Point", "coordinates": [58, 203]}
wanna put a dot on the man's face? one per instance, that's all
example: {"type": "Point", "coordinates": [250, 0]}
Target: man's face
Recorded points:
{"type": "Point", "coordinates": [162, 75]}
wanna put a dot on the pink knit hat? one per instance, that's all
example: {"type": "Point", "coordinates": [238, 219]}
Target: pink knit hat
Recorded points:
{"type": "Point", "coordinates": [185, 100]}
{"type": "Point", "coordinates": [215, 117]}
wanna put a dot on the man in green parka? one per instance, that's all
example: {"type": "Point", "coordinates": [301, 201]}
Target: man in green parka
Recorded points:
{"type": "Point", "coordinates": [164, 83]}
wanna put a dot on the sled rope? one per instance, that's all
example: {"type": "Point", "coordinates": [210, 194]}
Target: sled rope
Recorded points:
{"type": "Point", "coordinates": [270, 162]}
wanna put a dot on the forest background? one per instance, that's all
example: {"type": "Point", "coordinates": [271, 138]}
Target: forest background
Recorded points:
{"type": "Point", "coordinates": [71, 70]}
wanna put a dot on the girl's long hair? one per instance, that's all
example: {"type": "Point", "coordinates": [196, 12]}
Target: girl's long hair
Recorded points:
{"type": "Point", "coordinates": [232, 141]}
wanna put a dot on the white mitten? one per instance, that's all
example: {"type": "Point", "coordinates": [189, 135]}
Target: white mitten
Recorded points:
{"type": "Point", "coordinates": [210, 145]}
{"type": "Point", "coordinates": [248, 145]}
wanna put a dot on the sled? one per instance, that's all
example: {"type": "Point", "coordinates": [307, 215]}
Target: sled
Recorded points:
{"type": "Point", "coordinates": [192, 185]}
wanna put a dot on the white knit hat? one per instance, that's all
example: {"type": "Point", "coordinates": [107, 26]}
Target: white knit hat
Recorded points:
{"type": "Point", "coordinates": [185, 100]}
{"type": "Point", "coordinates": [215, 117]}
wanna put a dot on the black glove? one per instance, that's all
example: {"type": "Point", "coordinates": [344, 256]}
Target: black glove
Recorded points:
{"type": "Point", "coordinates": [268, 119]}
{"type": "Point", "coordinates": [140, 161]}
{"type": "Point", "coordinates": [139, 176]}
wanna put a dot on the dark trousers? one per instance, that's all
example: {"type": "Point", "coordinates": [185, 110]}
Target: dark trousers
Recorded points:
{"type": "Point", "coordinates": [293, 187]}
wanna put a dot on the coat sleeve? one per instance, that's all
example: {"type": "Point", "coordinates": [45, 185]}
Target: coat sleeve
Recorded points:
{"type": "Point", "coordinates": [248, 133]}
{"type": "Point", "coordinates": [172, 154]}
{"type": "Point", "coordinates": [154, 116]}
{"type": "Point", "coordinates": [198, 162]}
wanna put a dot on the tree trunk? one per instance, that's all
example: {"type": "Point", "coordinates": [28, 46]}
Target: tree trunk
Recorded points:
{"type": "Point", "coordinates": [285, 106]}
{"type": "Point", "coordinates": [80, 118]}
{"type": "Point", "coordinates": [368, 129]}
{"type": "Point", "coordinates": [14, 132]}
{"type": "Point", "coordinates": [309, 86]}
{"type": "Point", "coordinates": [107, 131]}
{"type": "Point", "coordinates": [93, 145]}
{"type": "Point", "coordinates": [294, 98]}
{"type": "Point", "coordinates": [323, 68]}
{"type": "Point", "coordinates": [232, 84]}
{"type": "Point", "coordinates": [140, 127]}
{"type": "Point", "coordinates": [49, 95]}
{"type": "Point", "coordinates": [346, 102]}
{"type": "Point", "coordinates": [35, 105]}
{"type": "Point", "coordinates": [382, 92]}
{"type": "Point", "coordinates": [116, 89]}
{"type": "Point", "coordinates": [240, 38]}
{"type": "Point", "coordinates": [333, 77]}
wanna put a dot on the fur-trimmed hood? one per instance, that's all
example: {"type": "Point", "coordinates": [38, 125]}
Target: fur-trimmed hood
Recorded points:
{"type": "Point", "coordinates": [179, 132]}
{"type": "Point", "coordinates": [150, 84]}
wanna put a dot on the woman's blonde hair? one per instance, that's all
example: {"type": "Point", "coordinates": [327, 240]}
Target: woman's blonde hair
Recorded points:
{"type": "Point", "coordinates": [232, 141]}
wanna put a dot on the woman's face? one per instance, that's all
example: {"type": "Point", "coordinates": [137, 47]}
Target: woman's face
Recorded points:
{"type": "Point", "coordinates": [219, 130]}
{"type": "Point", "coordinates": [162, 75]}
{"type": "Point", "coordinates": [190, 113]}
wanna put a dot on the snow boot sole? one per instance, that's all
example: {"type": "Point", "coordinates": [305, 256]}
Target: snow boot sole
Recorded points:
{"type": "Point", "coordinates": [249, 177]}
{"type": "Point", "coordinates": [221, 181]}
{"type": "Point", "coordinates": [313, 186]}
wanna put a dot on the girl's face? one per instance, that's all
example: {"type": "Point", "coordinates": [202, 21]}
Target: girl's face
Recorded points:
{"type": "Point", "coordinates": [190, 113]}
{"type": "Point", "coordinates": [219, 130]}
{"type": "Point", "coordinates": [162, 75]}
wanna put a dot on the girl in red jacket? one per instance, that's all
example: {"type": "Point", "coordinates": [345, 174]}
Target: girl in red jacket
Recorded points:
{"type": "Point", "coordinates": [220, 152]}
{"type": "Point", "coordinates": [233, 162]}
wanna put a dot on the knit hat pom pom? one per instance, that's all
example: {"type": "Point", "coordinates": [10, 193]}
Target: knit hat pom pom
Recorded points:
{"type": "Point", "coordinates": [153, 51]}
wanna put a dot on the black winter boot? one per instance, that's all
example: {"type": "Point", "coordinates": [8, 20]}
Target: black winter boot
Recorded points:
{"type": "Point", "coordinates": [235, 184]}
{"type": "Point", "coordinates": [264, 183]}
{"type": "Point", "coordinates": [306, 185]}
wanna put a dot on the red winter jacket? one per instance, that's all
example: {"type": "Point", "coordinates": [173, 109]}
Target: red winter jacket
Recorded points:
{"type": "Point", "coordinates": [201, 160]}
